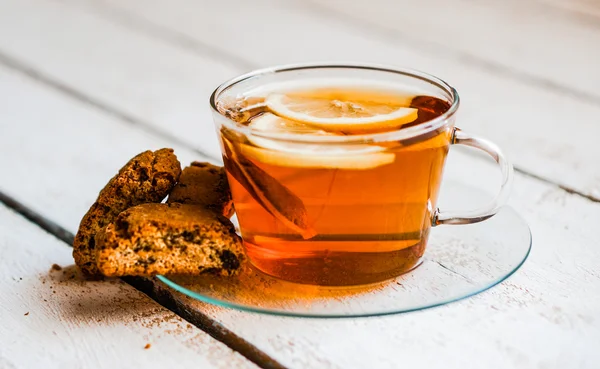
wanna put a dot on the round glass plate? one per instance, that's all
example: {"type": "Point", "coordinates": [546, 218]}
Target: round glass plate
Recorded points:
{"type": "Point", "coordinates": [460, 261]}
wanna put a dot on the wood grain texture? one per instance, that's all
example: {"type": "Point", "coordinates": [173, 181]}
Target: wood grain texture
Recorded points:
{"type": "Point", "coordinates": [142, 79]}
{"type": "Point", "coordinates": [51, 318]}
{"type": "Point", "coordinates": [62, 121]}
{"type": "Point", "coordinates": [506, 37]}
{"type": "Point", "coordinates": [541, 317]}
{"type": "Point", "coordinates": [164, 82]}
{"type": "Point", "coordinates": [546, 316]}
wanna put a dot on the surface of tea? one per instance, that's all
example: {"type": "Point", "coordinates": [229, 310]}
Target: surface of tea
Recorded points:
{"type": "Point", "coordinates": [334, 214]}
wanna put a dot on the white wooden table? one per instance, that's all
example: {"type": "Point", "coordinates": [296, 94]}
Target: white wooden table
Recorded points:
{"type": "Point", "coordinates": [84, 85]}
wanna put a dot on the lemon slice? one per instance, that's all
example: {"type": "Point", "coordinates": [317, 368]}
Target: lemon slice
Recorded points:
{"type": "Point", "coordinates": [308, 155]}
{"type": "Point", "coordinates": [271, 123]}
{"type": "Point", "coordinates": [339, 114]}
{"type": "Point", "coordinates": [313, 157]}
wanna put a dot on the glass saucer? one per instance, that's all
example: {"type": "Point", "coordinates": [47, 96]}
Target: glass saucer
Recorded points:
{"type": "Point", "coordinates": [460, 261]}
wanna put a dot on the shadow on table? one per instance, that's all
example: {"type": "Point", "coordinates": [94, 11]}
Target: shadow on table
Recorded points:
{"type": "Point", "coordinates": [103, 300]}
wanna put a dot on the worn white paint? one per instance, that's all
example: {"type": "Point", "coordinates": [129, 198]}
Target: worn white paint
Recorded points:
{"type": "Point", "coordinates": [546, 316]}
{"type": "Point", "coordinates": [166, 84]}
{"type": "Point", "coordinates": [55, 319]}
{"type": "Point", "coordinates": [66, 136]}
{"type": "Point", "coordinates": [527, 120]}
{"type": "Point", "coordinates": [145, 79]}
{"type": "Point", "coordinates": [511, 34]}
{"type": "Point", "coordinates": [542, 316]}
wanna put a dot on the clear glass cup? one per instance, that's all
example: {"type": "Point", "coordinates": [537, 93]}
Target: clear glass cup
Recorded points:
{"type": "Point", "coordinates": [343, 210]}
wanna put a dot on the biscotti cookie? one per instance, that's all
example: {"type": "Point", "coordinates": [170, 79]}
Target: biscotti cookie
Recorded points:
{"type": "Point", "coordinates": [174, 238]}
{"type": "Point", "coordinates": [148, 177]}
{"type": "Point", "coordinates": [204, 184]}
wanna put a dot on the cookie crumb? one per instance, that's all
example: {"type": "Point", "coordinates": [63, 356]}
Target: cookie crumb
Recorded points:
{"type": "Point", "coordinates": [27, 313]}
{"type": "Point", "coordinates": [147, 346]}
{"type": "Point", "coordinates": [56, 267]}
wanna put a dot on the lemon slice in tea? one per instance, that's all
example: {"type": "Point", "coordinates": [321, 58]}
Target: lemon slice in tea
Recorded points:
{"type": "Point", "coordinates": [309, 155]}
{"type": "Point", "coordinates": [271, 123]}
{"type": "Point", "coordinates": [339, 113]}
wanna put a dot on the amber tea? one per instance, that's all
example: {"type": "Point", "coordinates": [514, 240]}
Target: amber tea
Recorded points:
{"type": "Point", "coordinates": [327, 212]}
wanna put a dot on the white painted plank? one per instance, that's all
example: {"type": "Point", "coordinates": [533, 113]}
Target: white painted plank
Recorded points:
{"type": "Point", "coordinates": [72, 135]}
{"type": "Point", "coordinates": [526, 37]}
{"type": "Point", "coordinates": [542, 317]}
{"type": "Point", "coordinates": [583, 8]}
{"type": "Point", "coordinates": [142, 78]}
{"type": "Point", "coordinates": [54, 319]}
{"type": "Point", "coordinates": [167, 87]}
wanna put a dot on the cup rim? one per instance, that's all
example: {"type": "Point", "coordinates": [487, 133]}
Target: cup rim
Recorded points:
{"type": "Point", "coordinates": [395, 135]}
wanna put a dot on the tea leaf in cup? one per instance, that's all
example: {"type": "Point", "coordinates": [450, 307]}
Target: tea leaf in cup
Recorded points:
{"type": "Point", "coordinates": [274, 197]}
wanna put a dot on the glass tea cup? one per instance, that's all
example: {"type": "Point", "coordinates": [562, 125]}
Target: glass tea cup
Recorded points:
{"type": "Point", "coordinates": [335, 170]}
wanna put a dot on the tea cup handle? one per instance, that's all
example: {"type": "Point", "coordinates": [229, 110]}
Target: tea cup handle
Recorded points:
{"type": "Point", "coordinates": [489, 210]}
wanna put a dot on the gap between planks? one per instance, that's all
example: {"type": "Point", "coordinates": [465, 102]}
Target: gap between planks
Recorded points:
{"type": "Point", "coordinates": [73, 93]}
{"type": "Point", "coordinates": [462, 56]}
{"type": "Point", "coordinates": [157, 292]}
{"type": "Point", "coordinates": [172, 37]}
